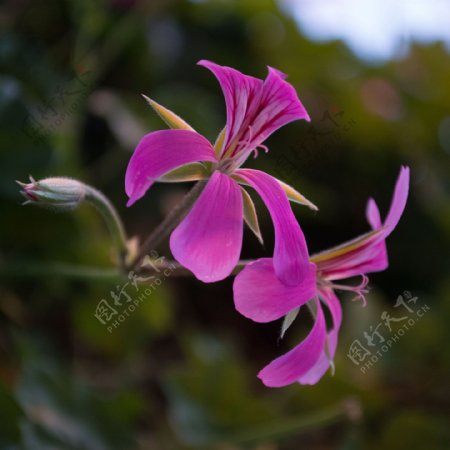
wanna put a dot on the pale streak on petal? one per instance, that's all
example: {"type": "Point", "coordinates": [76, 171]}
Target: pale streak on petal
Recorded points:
{"type": "Point", "coordinates": [189, 172]}
{"type": "Point", "coordinates": [218, 145]}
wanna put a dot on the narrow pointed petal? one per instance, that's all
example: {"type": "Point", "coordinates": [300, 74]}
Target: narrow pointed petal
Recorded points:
{"type": "Point", "coordinates": [327, 355]}
{"type": "Point", "coordinates": [208, 241]}
{"type": "Point", "coordinates": [378, 260]}
{"type": "Point", "coordinates": [188, 172]}
{"type": "Point", "coordinates": [260, 296]}
{"type": "Point", "coordinates": [293, 365]}
{"type": "Point", "coordinates": [295, 196]}
{"type": "Point", "coordinates": [171, 119]}
{"type": "Point", "coordinates": [250, 216]}
{"type": "Point", "coordinates": [240, 92]}
{"type": "Point", "coordinates": [373, 214]}
{"type": "Point", "coordinates": [288, 320]}
{"type": "Point", "coordinates": [290, 257]}
{"type": "Point", "coordinates": [366, 253]}
{"type": "Point", "coordinates": [160, 152]}
{"type": "Point", "coordinates": [398, 201]}
{"type": "Point", "coordinates": [218, 145]}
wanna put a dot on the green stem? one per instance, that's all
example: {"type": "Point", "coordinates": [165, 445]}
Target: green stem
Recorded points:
{"type": "Point", "coordinates": [32, 269]}
{"type": "Point", "coordinates": [27, 269]}
{"type": "Point", "coordinates": [349, 409]}
{"type": "Point", "coordinates": [168, 224]}
{"type": "Point", "coordinates": [113, 221]}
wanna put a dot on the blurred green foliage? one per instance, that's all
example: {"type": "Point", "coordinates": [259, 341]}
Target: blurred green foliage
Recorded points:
{"type": "Point", "coordinates": [180, 372]}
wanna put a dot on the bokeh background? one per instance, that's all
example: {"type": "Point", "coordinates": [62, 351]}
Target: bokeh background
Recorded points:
{"type": "Point", "coordinates": [180, 372]}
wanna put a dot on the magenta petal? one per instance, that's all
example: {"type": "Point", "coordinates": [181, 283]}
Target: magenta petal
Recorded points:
{"type": "Point", "coordinates": [260, 296]}
{"type": "Point", "coordinates": [371, 256]}
{"type": "Point", "coordinates": [398, 201]}
{"type": "Point", "coordinates": [290, 257]}
{"type": "Point", "coordinates": [208, 241]}
{"type": "Point", "coordinates": [378, 259]}
{"type": "Point", "coordinates": [323, 363]}
{"type": "Point", "coordinates": [278, 106]}
{"type": "Point", "coordinates": [373, 214]}
{"type": "Point", "coordinates": [158, 153]}
{"type": "Point", "coordinates": [255, 109]}
{"type": "Point", "coordinates": [240, 92]}
{"type": "Point", "coordinates": [293, 365]}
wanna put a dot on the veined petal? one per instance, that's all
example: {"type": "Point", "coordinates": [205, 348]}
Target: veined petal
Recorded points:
{"type": "Point", "coordinates": [323, 363]}
{"type": "Point", "coordinates": [278, 105]}
{"type": "Point", "coordinates": [208, 241]}
{"type": "Point", "coordinates": [290, 257]}
{"type": "Point", "coordinates": [262, 297]}
{"type": "Point", "coordinates": [240, 92]}
{"type": "Point", "coordinates": [351, 259]}
{"type": "Point", "coordinates": [255, 109]}
{"type": "Point", "coordinates": [293, 365]}
{"type": "Point", "coordinates": [159, 152]}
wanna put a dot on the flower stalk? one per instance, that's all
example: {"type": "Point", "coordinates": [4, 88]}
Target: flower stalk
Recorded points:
{"type": "Point", "coordinates": [66, 194]}
{"type": "Point", "coordinates": [113, 222]}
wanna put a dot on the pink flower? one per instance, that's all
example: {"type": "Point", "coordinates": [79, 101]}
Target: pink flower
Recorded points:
{"type": "Point", "coordinates": [208, 241]}
{"type": "Point", "coordinates": [259, 295]}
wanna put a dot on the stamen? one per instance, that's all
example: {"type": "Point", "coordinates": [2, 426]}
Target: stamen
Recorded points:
{"type": "Point", "coordinates": [261, 146]}
{"type": "Point", "coordinates": [241, 145]}
{"type": "Point", "coordinates": [360, 290]}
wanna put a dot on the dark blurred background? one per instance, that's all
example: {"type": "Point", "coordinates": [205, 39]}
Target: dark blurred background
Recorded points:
{"type": "Point", "coordinates": [180, 371]}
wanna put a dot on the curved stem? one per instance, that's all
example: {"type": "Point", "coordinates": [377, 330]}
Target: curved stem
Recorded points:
{"type": "Point", "coordinates": [36, 269]}
{"type": "Point", "coordinates": [113, 221]}
{"type": "Point", "coordinates": [347, 410]}
{"type": "Point", "coordinates": [60, 269]}
{"type": "Point", "coordinates": [168, 224]}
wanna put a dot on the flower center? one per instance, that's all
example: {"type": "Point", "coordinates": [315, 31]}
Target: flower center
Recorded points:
{"type": "Point", "coordinates": [226, 166]}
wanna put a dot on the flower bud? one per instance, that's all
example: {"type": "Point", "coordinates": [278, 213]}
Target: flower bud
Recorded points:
{"type": "Point", "coordinates": [58, 193]}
